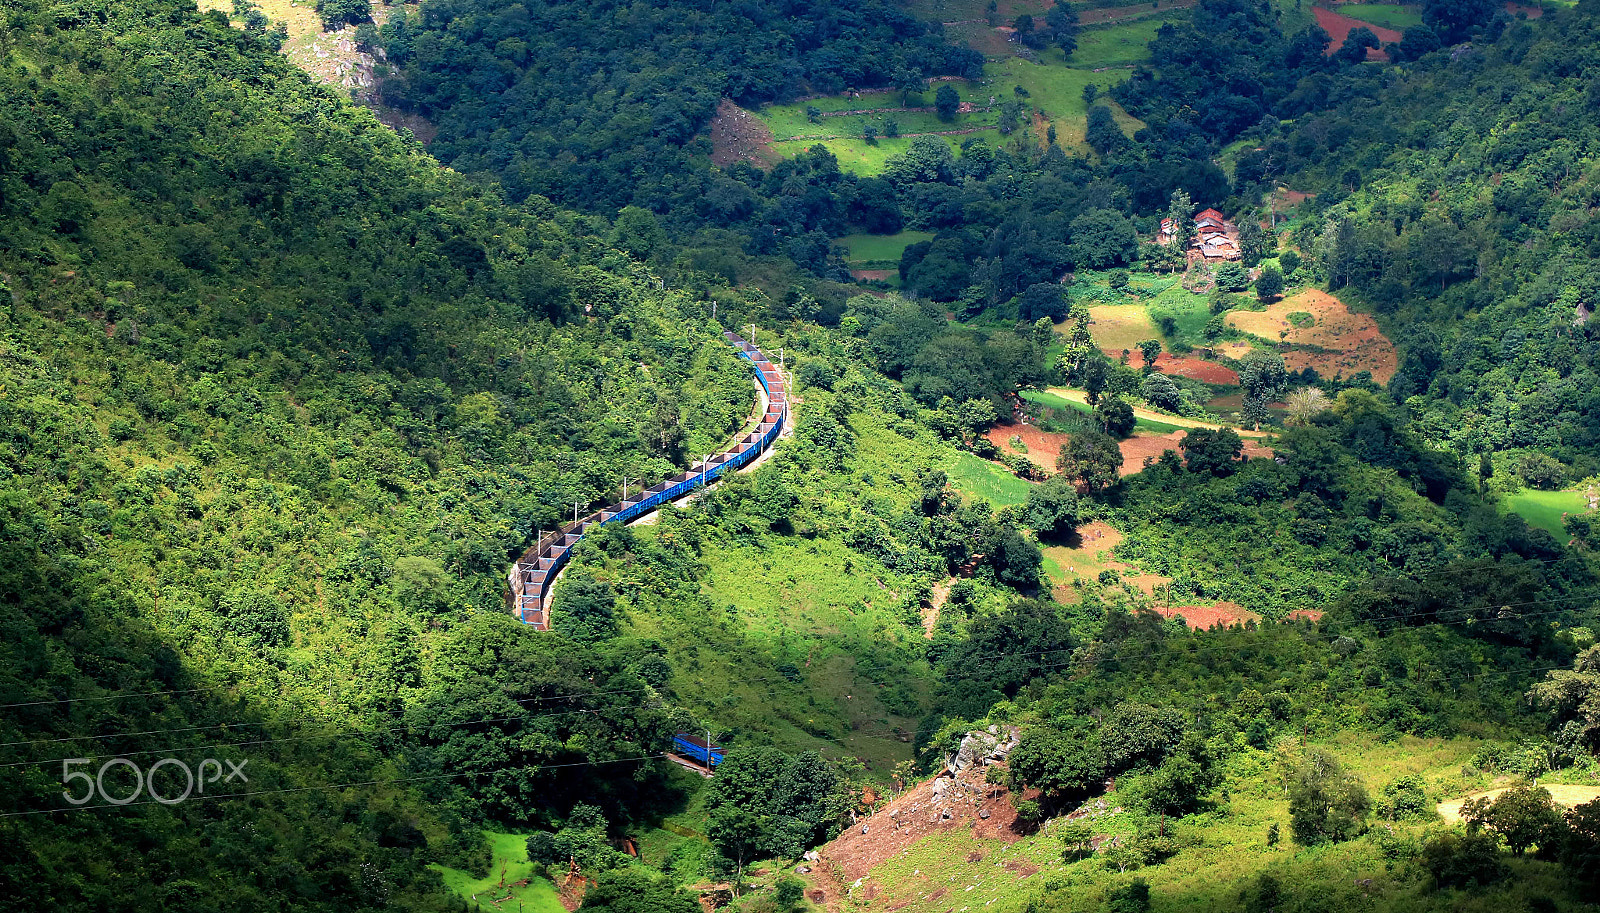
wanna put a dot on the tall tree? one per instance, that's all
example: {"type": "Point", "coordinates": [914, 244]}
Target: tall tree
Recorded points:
{"type": "Point", "coordinates": [1326, 804]}
{"type": "Point", "coordinates": [1264, 378]}
{"type": "Point", "coordinates": [1180, 212]}
{"type": "Point", "coordinates": [1091, 458]}
{"type": "Point", "coordinates": [1062, 21]}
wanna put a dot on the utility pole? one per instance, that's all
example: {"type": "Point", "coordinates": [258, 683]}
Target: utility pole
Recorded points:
{"type": "Point", "coordinates": [575, 506]}
{"type": "Point", "coordinates": [752, 329]}
{"type": "Point", "coordinates": [705, 464]}
{"type": "Point", "coordinates": [713, 309]}
{"type": "Point", "coordinates": [626, 482]}
{"type": "Point", "coordinates": [708, 751]}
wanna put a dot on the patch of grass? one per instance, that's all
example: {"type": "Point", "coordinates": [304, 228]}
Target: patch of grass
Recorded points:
{"type": "Point", "coordinates": [1389, 15]}
{"type": "Point", "coordinates": [1121, 326]}
{"type": "Point", "coordinates": [1055, 90]}
{"type": "Point", "coordinates": [1301, 319]}
{"type": "Point", "coordinates": [983, 479]}
{"type": "Point", "coordinates": [880, 251]}
{"type": "Point", "coordinates": [511, 852]}
{"type": "Point", "coordinates": [858, 157]}
{"type": "Point", "coordinates": [1544, 508]}
{"type": "Point", "coordinates": [1122, 45]}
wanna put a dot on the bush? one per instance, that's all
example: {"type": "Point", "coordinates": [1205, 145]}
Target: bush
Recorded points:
{"type": "Point", "coordinates": [1463, 860]}
{"type": "Point", "coordinates": [1232, 277]}
{"type": "Point", "coordinates": [1403, 799]}
{"type": "Point", "coordinates": [336, 14]}
{"type": "Point", "coordinates": [1130, 898]}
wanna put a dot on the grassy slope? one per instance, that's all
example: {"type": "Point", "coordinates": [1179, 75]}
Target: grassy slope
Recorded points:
{"type": "Point", "coordinates": [510, 851]}
{"type": "Point", "coordinates": [983, 479]}
{"type": "Point", "coordinates": [1225, 848]}
{"type": "Point", "coordinates": [1544, 508]}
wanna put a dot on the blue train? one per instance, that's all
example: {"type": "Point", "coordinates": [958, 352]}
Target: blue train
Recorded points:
{"type": "Point", "coordinates": [536, 570]}
{"type": "Point", "coordinates": [695, 749]}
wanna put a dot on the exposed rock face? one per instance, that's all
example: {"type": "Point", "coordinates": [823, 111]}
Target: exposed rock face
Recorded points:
{"type": "Point", "coordinates": [983, 747]}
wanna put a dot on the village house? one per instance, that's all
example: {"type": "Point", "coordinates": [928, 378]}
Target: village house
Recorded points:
{"type": "Point", "coordinates": [1215, 238]}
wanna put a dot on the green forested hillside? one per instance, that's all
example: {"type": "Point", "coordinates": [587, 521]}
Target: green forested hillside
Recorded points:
{"type": "Point", "coordinates": [280, 399]}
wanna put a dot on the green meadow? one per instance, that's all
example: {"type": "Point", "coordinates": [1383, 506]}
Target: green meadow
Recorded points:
{"type": "Point", "coordinates": [880, 251]}
{"type": "Point", "coordinates": [1544, 508]}
{"type": "Point", "coordinates": [1052, 89]}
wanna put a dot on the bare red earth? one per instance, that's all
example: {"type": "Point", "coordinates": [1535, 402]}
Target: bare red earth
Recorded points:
{"type": "Point", "coordinates": [854, 855]}
{"type": "Point", "coordinates": [1197, 368]}
{"type": "Point", "coordinates": [1338, 26]}
{"type": "Point", "coordinates": [1209, 616]}
{"type": "Point", "coordinates": [1043, 447]}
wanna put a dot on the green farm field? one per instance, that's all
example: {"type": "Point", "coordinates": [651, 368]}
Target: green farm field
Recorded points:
{"type": "Point", "coordinates": [1544, 508]}
{"type": "Point", "coordinates": [1389, 15]}
{"type": "Point", "coordinates": [1121, 45]}
{"type": "Point", "coordinates": [880, 251]}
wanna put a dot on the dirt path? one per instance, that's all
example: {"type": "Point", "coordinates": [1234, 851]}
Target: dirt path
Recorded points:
{"type": "Point", "coordinates": [925, 109]}
{"type": "Point", "coordinates": [1562, 793]}
{"type": "Point", "coordinates": [1079, 396]}
{"type": "Point", "coordinates": [939, 595]}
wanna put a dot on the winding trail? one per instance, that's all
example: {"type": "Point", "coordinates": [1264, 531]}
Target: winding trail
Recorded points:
{"type": "Point", "coordinates": [534, 574]}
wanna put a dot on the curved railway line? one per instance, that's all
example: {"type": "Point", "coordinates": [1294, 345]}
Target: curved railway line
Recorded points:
{"type": "Point", "coordinates": [534, 574]}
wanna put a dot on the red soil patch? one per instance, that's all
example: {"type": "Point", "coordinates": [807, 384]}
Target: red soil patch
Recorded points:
{"type": "Point", "coordinates": [738, 136]}
{"type": "Point", "coordinates": [1532, 12]}
{"type": "Point", "coordinates": [1338, 26]}
{"type": "Point", "coordinates": [873, 273]}
{"type": "Point", "coordinates": [892, 829]}
{"type": "Point", "coordinates": [1043, 447]}
{"type": "Point", "coordinates": [1136, 448]}
{"type": "Point", "coordinates": [1197, 368]}
{"type": "Point", "coordinates": [1308, 614]}
{"type": "Point", "coordinates": [1206, 617]}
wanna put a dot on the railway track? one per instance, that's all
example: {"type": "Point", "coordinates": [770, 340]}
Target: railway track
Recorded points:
{"type": "Point", "coordinates": [533, 575]}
